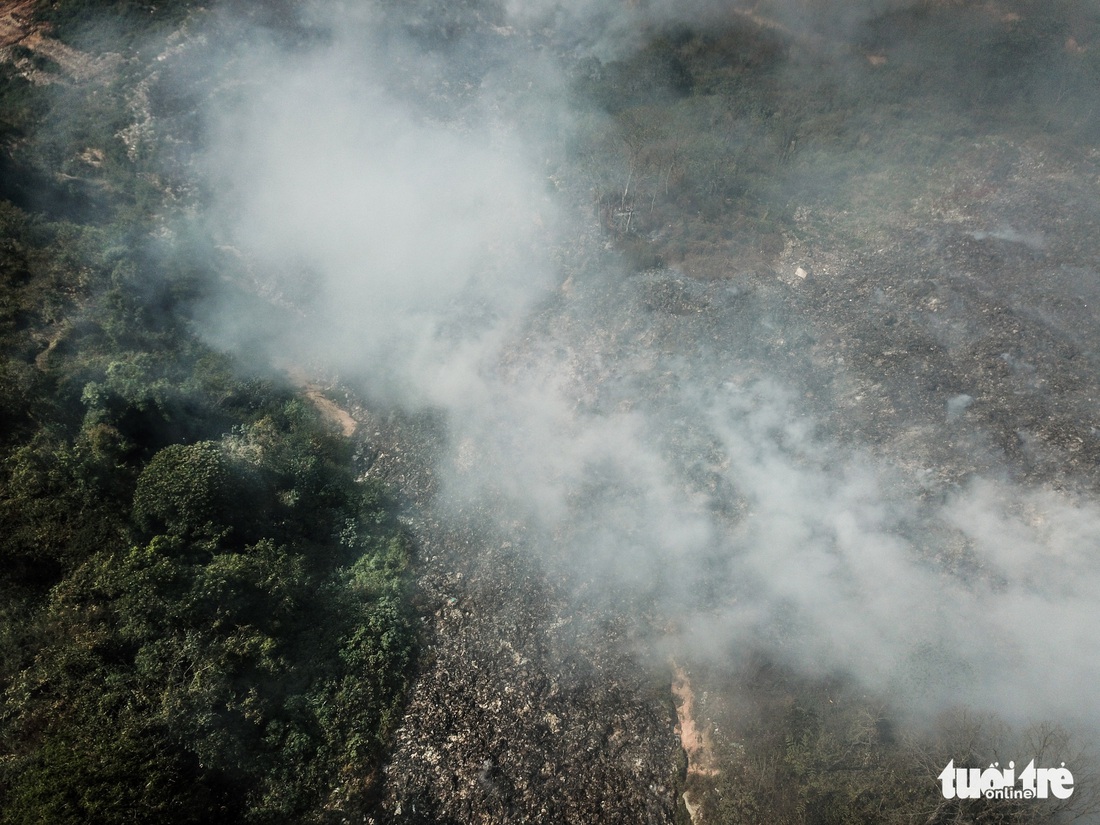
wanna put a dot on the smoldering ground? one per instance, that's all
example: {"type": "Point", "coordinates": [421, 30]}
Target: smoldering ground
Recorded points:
{"type": "Point", "coordinates": [405, 183]}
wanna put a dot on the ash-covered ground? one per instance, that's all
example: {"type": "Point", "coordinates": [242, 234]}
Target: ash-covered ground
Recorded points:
{"type": "Point", "coordinates": [787, 364]}
{"type": "Point", "coordinates": [957, 342]}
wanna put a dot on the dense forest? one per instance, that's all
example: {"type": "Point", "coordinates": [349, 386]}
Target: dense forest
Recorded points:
{"type": "Point", "coordinates": [204, 612]}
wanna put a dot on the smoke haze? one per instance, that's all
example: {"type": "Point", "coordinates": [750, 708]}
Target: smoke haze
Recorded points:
{"type": "Point", "coordinates": [413, 201]}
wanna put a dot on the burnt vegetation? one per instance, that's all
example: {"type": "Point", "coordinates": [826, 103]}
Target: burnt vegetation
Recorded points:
{"type": "Point", "coordinates": [752, 155]}
{"type": "Point", "coordinates": [717, 137]}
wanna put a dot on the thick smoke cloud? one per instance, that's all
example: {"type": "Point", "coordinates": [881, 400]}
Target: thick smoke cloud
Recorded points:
{"type": "Point", "coordinates": [420, 239]}
{"type": "Point", "coordinates": [407, 242]}
{"type": "Point", "coordinates": [982, 599]}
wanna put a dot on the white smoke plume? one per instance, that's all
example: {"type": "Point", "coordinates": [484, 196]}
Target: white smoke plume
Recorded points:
{"type": "Point", "coordinates": [405, 203]}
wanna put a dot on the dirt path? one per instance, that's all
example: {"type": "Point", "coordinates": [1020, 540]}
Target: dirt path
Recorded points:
{"type": "Point", "coordinates": [329, 409]}
{"type": "Point", "coordinates": [693, 740]}
{"type": "Point", "coordinates": [15, 22]}
{"type": "Point", "coordinates": [19, 28]}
